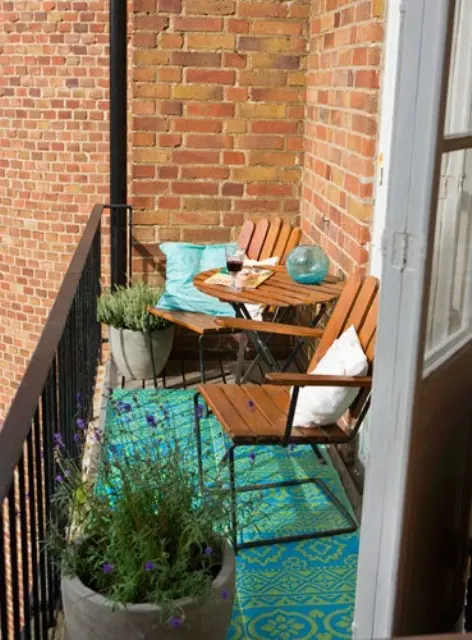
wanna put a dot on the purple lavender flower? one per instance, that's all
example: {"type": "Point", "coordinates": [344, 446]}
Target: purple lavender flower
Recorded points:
{"type": "Point", "coordinates": [151, 420]}
{"type": "Point", "coordinates": [252, 457]}
{"type": "Point", "coordinates": [224, 594]}
{"type": "Point", "coordinates": [108, 568]}
{"type": "Point", "coordinates": [77, 437]}
{"type": "Point", "coordinates": [80, 423]}
{"type": "Point", "coordinates": [175, 622]}
{"type": "Point", "coordinates": [252, 405]}
{"type": "Point", "coordinates": [78, 400]}
{"type": "Point", "coordinates": [59, 478]}
{"type": "Point", "coordinates": [97, 437]}
{"type": "Point", "coordinates": [57, 441]}
{"type": "Point", "coordinates": [110, 391]}
{"type": "Point", "coordinates": [67, 473]}
{"type": "Point", "coordinates": [149, 566]}
{"type": "Point", "coordinates": [208, 551]}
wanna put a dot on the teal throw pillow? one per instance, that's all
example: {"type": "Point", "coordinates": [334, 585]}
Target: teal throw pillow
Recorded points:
{"type": "Point", "coordinates": [183, 262]}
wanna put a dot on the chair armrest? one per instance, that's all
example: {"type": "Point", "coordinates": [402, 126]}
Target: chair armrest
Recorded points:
{"type": "Point", "coordinates": [314, 380]}
{"type": "Point", "coordinates": [268, 327]}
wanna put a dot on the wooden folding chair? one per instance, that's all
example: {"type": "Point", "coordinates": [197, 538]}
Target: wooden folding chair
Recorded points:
{"type": "Point", "coordinates": [261, 240]}
{"type": "Point", "coordinates": [263, 414]}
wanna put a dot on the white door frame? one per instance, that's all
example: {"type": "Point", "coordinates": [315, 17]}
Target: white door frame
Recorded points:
{"type": "Point", "coordinates": [403, 302]}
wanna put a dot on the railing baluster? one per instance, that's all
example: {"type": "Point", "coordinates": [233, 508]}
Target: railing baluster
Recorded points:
{"type": "Point", "coordinates": [33, 505]}
{"type": "Point", "coordinates": [3, 580]}
{"type": "Point", "coordinates": [13, 553]}
{"type": "Point", "coordinates": [25, 573]}
{"type": "Point", "coordinates": [39, 495]}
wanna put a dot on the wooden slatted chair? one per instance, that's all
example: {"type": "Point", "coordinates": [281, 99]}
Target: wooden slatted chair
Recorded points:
{"type": "Point", "coordinates": [261, 240]}
{"type": "Point", "coordinates": [263, 414]}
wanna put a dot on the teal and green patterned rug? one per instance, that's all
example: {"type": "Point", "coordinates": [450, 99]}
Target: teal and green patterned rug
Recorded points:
{"type": "Point", "coordinates": [292, 591]}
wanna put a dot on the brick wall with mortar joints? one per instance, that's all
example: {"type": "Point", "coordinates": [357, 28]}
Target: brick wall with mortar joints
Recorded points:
{"type": "Point", "coordinates": [344, 67]}
{"type": "Point", "coordinates": [53, 161]}
{"type": "Point", "coordinates": [218, 107]}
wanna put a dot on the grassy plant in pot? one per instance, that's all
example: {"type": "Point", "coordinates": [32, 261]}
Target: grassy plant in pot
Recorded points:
{"type": "Point", "coordinates": [133, 330]}
{"type": "Point", "coordinates": [143, 554]}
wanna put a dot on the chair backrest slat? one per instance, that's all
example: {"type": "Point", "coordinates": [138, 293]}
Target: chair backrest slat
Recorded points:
{"type": "Point", "coordinates": [292, 242]}
{"type": "Point", "coordinates": [362, 305]}
{"type": "Point", "coordinates": [257, 241]}
{"type": "Point", "coordinates": [282, 240]}
{"type": "Point", "coordinates": [271, 239]}
{"type": "Point", "coordinates": [245, 234]}
{"type": "Point", "coordinates": [337, 320]}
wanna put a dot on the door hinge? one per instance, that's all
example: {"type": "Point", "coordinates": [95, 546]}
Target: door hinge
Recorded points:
{"type": "Point", "coordinates": [400, 249]}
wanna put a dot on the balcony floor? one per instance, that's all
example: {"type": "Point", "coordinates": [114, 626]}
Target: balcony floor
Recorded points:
{"type": "Point", "coordinates": [297, 590]}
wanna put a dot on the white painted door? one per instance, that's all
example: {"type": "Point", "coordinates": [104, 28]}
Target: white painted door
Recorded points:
{"type": "Point", "coordinates": [417, 499]}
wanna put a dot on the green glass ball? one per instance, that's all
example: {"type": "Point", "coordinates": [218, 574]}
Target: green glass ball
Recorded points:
{"type": "Point", "coordinates": [307, 264]}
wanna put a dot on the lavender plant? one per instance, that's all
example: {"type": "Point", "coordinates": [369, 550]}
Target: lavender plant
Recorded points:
{"type": "Point", "coordinates": [125, 308]}
{"type": "Point", "coordinates": [142, 533]}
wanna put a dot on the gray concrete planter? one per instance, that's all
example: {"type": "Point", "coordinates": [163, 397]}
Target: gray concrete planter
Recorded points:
{"type": "Point", "coordinates": [131, 354]}
{"type": "Point", "coordinates": [88, 616]}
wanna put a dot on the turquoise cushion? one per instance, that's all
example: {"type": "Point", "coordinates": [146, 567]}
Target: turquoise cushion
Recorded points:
{"type": "Point", "coordinates": [183, 262]}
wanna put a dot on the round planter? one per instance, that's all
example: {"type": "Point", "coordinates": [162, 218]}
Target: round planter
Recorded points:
{"type": "Point", "coordinates": [88, 616]}
{"type": "Point", "coordinates": [131, 354]}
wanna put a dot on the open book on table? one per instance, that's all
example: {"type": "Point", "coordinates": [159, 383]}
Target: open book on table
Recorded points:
{"type": "Point", "coordinates": [248, 278]}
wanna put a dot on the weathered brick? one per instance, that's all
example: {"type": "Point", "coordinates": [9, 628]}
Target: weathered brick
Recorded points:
{"type": "Point", "coordinates": [206, 204]}
{"type": "Point", "coordinates": [211, 7]}
{"type": "Point", "coordinates": [196, 92]}
{"type": "Point", "coordinates": [204, 188]}
{"type": "Point", "coordinates": [198, 24]}
{"type": "Point", "coordinates": [216, 76]}
{"type": "Point", "coordinates": [196, 124]}
{"type": "Point", "coordinates": [210, 41]}
{"type": "Point", "coordinates": [187, 59]}
{"type": "Point", "coordinates": [262, 110]}
{"type": "Point", "coordinates": [260, 142]}
{"type": "Point", "coordinates": [195, 157]}
{"type": "Point", "coordinates": [255, 174]}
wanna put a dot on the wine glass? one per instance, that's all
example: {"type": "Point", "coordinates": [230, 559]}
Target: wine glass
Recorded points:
{"type": "Point", "coordinates": [234, 263]}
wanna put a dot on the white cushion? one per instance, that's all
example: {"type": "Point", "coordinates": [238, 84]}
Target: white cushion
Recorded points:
{"type": "Point", "coordinates": [319, 406]}
{"type": "Point", "coordinates": [256, 310]}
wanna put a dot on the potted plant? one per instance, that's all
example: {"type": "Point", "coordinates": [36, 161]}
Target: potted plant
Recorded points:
{"type": "Point", "coordinates": [133, 330]}
{"type": "Point", "coordinates": [142, 553]}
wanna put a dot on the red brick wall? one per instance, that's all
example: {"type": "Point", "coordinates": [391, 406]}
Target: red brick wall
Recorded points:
{"type": "Point", "coordinates": [218, 106]}
{"type": "Point", "coordinates": [346, 41]}
{"type": "Point", "coordinates": [53, 158]}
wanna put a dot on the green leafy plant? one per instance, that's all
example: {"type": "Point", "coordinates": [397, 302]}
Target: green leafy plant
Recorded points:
{"type": "Point", "coordinates": [143, 532]}
{"type": "Point", "coordinates": [125, 308]}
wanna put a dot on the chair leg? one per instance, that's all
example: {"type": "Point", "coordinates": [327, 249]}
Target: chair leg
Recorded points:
{"type": "Point", "coordinates": [153, 364]}
{"type": "Point", "coordinates": [200, 358]}
{"type": "Point", "coordinates": [318, 454]}
{"type": "Point", "coordinates": [198, 438]}
{"type": "Point", "coordinates": [232, 482]}
{"type": "Point", "coordinates": [241, 357]}
{"type": "Point", "coordinates": [350, 527]}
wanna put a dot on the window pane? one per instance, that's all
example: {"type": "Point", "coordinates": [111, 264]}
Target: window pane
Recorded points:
{"type": "Point", "coordinates": [459, 99]}
{"type": "Point", "coordinates": [450, 304]}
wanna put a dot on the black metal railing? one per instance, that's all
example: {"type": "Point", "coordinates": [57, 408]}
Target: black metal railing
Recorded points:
{"type": "Point", "coordinates": [56, 391]}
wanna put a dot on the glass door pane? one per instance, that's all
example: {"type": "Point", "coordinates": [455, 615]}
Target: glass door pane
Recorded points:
{"type": "Point", "coordinates": [450, 305]}
{"type": "Point", "coordinates": [459, 98]}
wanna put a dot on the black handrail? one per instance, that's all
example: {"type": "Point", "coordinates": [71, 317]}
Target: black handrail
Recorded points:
{"type": "Point", "coordinates": [54, 398]}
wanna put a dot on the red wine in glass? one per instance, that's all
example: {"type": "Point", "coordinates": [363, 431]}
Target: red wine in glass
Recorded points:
{"type": "Point", "coordinates": [234, 265]}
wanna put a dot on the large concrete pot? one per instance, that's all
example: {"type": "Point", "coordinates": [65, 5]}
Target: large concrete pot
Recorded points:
{"type": "Point", "coordinates": [131, 354]}
{"type": "Point", "coordinates": [88, 616]}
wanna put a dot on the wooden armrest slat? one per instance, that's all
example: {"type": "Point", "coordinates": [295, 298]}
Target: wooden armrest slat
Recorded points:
{"type": "Point", "coordinates": [269, 327]}
{"type": "Point", "coordinates": [315, 380]}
